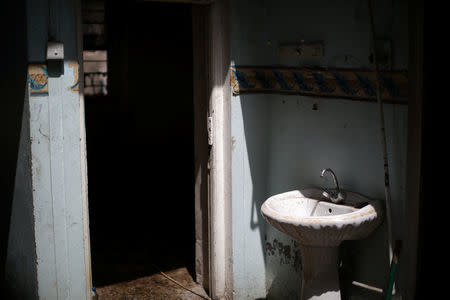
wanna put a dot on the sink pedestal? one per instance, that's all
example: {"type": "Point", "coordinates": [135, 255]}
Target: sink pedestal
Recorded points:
{"type": "Point", "coordinates": [319, 227]}
{"type": "Point", "coordinates": [320, 278]}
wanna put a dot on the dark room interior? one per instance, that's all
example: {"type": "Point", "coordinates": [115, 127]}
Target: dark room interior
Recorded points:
{"type": "Point", "coordinates": [140, 142]}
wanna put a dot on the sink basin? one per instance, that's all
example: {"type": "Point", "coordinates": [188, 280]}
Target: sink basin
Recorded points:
{"type": "Point", "coordinates": [320, 226]}
{"type": "Point", "coordinates": [310, 219]}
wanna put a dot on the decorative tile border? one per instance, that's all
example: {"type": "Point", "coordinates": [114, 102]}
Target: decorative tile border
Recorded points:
{"type": "Point", "coordinates": [38, 80]}
{"type": "Point", "coordinates": [342, 83]}
{"type": "Point", "coordinates": [75, 87]}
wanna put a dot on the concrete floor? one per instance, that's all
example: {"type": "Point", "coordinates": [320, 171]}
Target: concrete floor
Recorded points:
{"type": "Point", "coordinates": [155, 286]}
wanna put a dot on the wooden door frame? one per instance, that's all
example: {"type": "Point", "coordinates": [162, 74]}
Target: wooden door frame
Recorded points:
{"type": "Point", "coordinates": [83, 151]}
{"type": "Point", "coordinates": [212, 135]}
{"type": "Point", "coordinates": [218, 94]}
{"type": "Point", "coordinates": [212, 146]}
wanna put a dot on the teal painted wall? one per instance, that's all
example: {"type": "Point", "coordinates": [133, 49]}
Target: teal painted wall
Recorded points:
{"type": "Point", "coordinates": [280, 143]}
{"type": "Point", "coordinates": [46, 245]}
{"type": "Point", "coordinates": [20, 270]}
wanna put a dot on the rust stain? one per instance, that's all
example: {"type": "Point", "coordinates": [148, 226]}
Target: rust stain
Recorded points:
{"type": "Point", "coordinates": [369, 212]}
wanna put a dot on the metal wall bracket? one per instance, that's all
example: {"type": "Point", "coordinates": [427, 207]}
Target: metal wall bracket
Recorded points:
{"type": "Point", "coordinates": [55, 59]}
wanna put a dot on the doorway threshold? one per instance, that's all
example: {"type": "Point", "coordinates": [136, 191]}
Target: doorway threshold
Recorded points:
{"type": "Point", "coordinates": [155, 286]}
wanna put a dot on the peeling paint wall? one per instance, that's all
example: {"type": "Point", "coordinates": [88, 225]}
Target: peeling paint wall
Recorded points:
{"type": "Point", "coordinates": [46, 249]}
{"type": "Point", "coordinates": [281, 143]}
{"type": "Point", "coordinates": [284, 253]}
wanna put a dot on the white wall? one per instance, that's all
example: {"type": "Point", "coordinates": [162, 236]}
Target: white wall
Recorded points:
{"type": "Point", "coordinates": [46, 249]}
{"type": "Point", "coordinates": [280, 143]}
{"type": "Point", "coordinates": [249, 183]}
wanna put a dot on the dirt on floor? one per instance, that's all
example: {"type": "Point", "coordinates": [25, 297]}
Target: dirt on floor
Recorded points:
{"type": "Point", "coordinates": [155, 286]}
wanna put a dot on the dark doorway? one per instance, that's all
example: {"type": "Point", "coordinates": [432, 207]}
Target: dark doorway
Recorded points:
{"type": "Point", "coordinates": [139, 127]}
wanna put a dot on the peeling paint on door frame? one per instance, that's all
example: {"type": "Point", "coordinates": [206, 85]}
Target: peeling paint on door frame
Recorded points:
{"type": "Point", "coordinates": [214, 263]}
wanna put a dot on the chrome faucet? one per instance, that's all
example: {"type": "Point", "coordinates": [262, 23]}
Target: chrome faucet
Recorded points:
{"type": "Point", "coordinates": [334, 195]}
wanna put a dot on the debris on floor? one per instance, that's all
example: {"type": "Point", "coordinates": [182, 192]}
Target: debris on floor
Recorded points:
{"type": "Point", "coordinates": [155, 286]}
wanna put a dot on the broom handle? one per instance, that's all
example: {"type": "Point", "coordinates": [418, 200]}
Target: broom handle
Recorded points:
{"type": "Point", "coordinates": [387, 190]}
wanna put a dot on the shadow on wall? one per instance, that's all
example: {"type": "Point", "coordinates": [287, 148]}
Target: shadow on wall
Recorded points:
{"type": "Point", "coordinates": [255, 117]}
{"type": "Point", "coordinates": [282, 259]}
{"type": "Point", "coordinates": [13, 57]}
{"type": "Point", "coordinates": [287, 143]}
{"type": "Point", "coordinates": [282, 250]}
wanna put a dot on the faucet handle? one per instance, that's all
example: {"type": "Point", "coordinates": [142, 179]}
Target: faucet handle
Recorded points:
{"type": "Point", "coordinates": [326, 194]}
{"type": "Point", "coordinates": [335, 196]}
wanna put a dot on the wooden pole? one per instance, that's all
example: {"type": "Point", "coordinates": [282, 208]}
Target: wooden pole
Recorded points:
{"type": "Point", "coordinates": [387, 190]}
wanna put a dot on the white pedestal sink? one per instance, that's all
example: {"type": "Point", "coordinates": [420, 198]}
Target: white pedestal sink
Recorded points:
{"type": "Point", "coordinates": [320, 226]}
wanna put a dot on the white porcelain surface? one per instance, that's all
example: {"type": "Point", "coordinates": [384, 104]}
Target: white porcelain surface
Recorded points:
{"type": "Point", "coordinates": [306, 216]}
{"type": "Point", "coordinates": [320, 226]}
